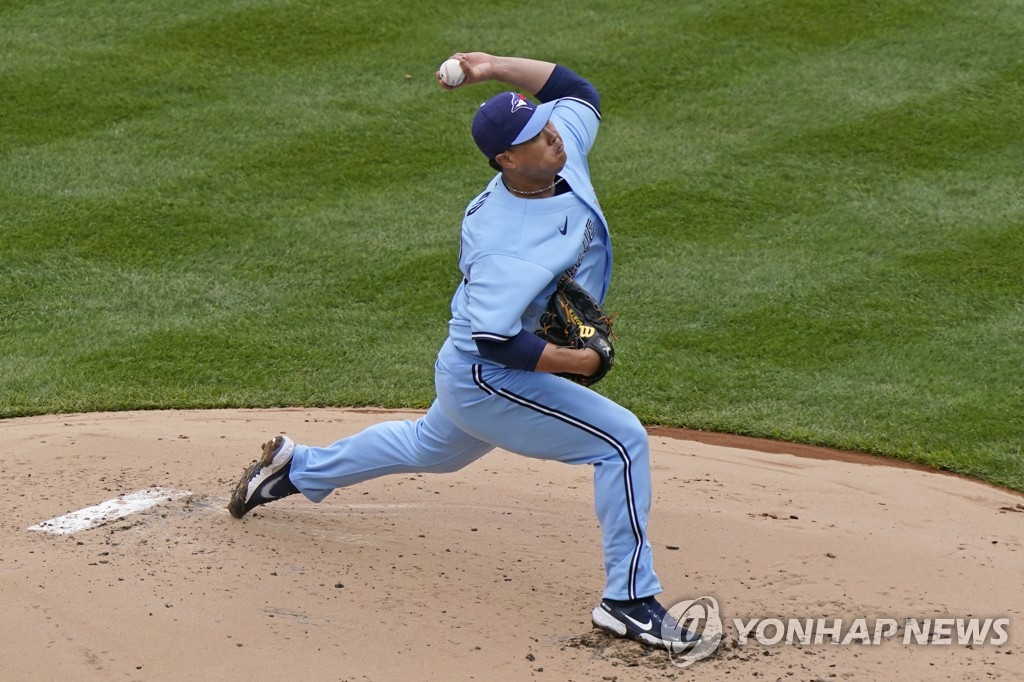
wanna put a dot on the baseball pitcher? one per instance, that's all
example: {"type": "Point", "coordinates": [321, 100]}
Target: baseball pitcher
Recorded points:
{"type": "Point", "coordinates": [527, 337]}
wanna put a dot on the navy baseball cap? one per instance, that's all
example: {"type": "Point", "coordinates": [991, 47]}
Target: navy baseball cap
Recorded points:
{"type": "Point", "coordinates": [508, 119]}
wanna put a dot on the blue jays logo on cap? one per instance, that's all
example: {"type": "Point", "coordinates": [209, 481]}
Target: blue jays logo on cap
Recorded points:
{"type": "Point", "coordinates": [508, 119]}
{"type": "Point", "coordinates": [518, 102]}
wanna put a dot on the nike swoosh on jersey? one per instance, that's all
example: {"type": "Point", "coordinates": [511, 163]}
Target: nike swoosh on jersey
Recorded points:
{"type": "Point", "coordinates": [564, 228]}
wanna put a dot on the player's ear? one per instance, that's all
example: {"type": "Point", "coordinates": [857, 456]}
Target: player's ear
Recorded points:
{"type": "Point", "coordinates": [505, 160]}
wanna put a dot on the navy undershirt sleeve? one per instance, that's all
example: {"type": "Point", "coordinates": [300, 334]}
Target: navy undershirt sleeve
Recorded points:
{"type": "Point", "coordinates": [564, 83]}
{"type": "Point", "coordinates": [522, 351]}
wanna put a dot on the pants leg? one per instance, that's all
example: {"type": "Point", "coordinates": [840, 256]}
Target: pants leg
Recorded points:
{"type": "Point", "coordinates": [544, 416]}
{"type": "Point", "coordinates": [431, 444]}
{"type": "Point", "coordinates": [481, 406]}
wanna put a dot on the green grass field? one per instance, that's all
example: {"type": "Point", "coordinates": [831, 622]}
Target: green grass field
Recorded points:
{"type": "Point", "coordinates": [816, 207]}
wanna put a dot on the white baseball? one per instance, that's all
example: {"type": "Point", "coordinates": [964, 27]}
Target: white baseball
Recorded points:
{"type": "Point", "coordinates": [451, 73]}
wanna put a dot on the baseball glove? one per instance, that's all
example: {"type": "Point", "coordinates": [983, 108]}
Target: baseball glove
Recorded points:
{"type": "Point", "coordinates": [574, 319]}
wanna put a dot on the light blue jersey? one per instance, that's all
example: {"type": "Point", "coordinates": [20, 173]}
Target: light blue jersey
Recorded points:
{"type": "Point", "coordinates": [510, 259]}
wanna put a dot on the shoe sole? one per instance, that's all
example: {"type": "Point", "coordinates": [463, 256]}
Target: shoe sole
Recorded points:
{"type": "Point", "coordinates": [607, 622]}
{"type": "Point", "coordinates": [237, 504]}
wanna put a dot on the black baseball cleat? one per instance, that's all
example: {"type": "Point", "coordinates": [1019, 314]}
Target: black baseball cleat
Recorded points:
{"type": "Point", "coordinates": [265, 480]}
{"type": "Point", "coordinates": [642, 619]}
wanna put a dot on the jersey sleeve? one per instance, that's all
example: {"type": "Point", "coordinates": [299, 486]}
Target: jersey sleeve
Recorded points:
{"type": "Point", "coordinates": [578, 121]}
{"type": "Point", "coordinates": [499, 290]}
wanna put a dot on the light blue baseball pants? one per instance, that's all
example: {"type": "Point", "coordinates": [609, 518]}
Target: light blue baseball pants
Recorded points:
{"type": "Point", "coordinates": [480, 406]}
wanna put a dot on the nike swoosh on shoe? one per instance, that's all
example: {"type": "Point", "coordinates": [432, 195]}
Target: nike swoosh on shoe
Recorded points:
{"type": "Point", "coordinates": [646, 627]}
